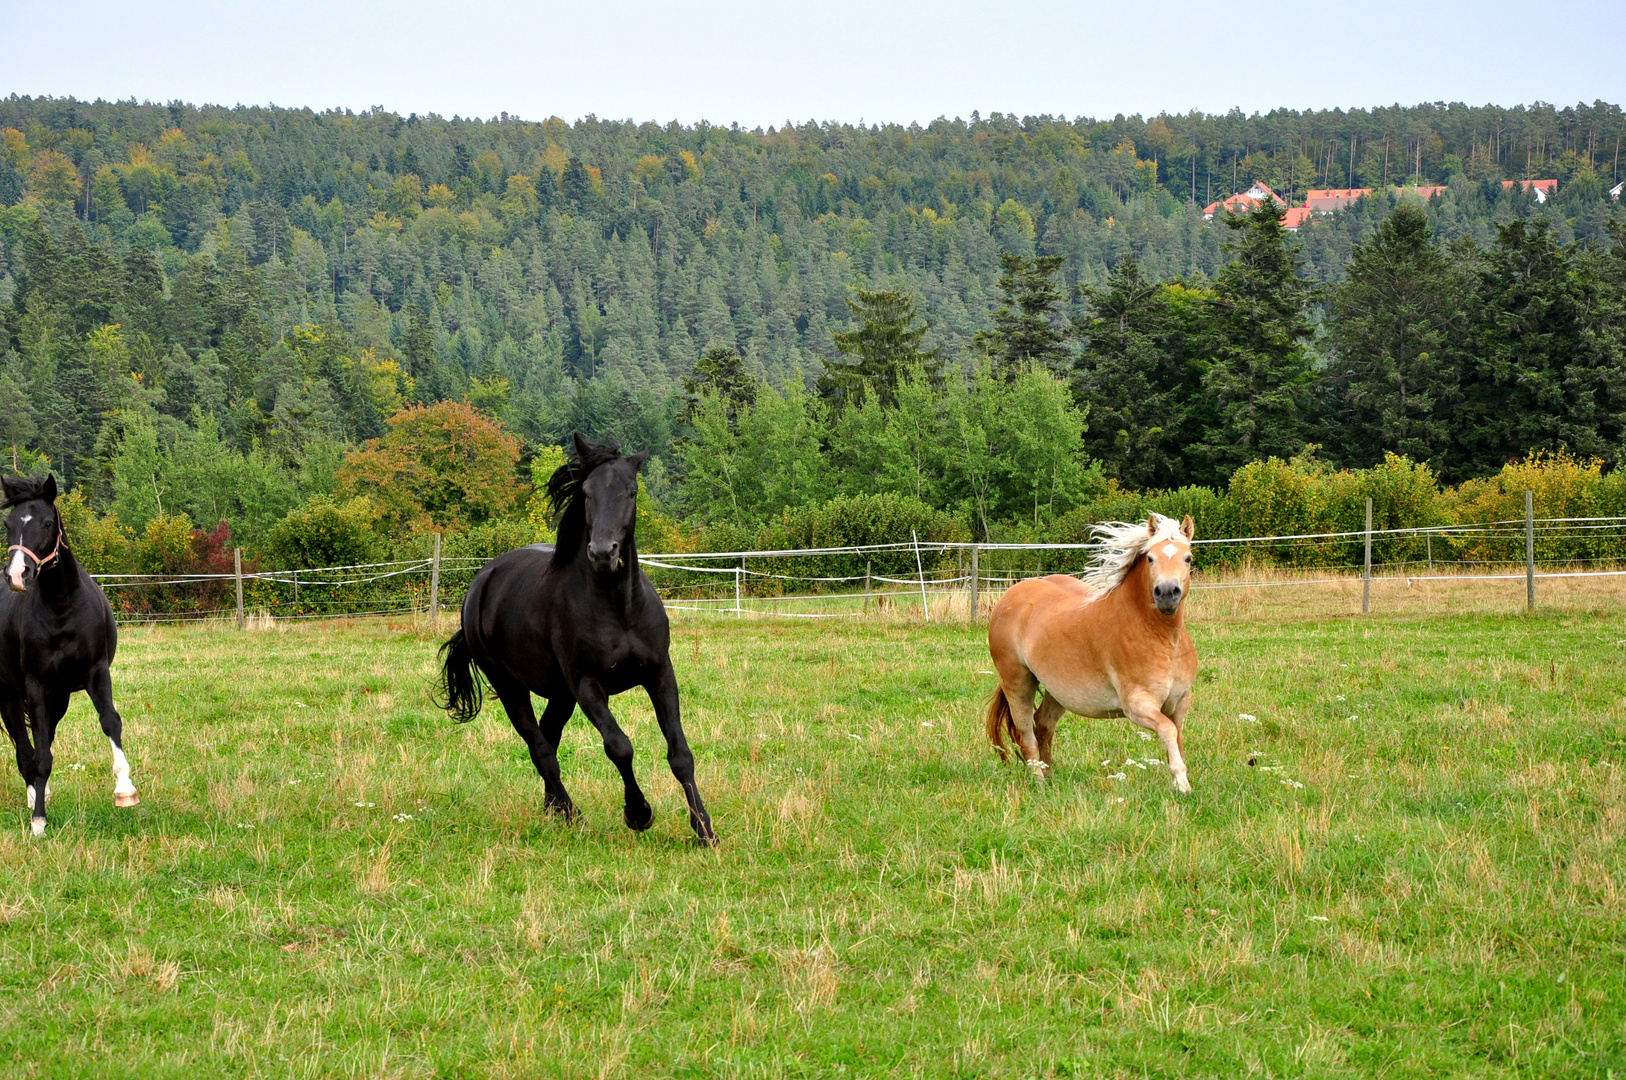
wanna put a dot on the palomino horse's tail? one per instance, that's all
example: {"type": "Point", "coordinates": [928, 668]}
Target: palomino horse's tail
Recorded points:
{"type": "Point", "coordinates": [459, 686]}
{"type": "Point", "coordinates": [1000, 724]}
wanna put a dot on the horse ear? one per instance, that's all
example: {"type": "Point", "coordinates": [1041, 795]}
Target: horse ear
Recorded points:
{"type": "Point", "coordinates": [48, 492]}
{"type": "Point", "coordinates": [1151, 525]}
{"type": "Point", "coordinates": [9, 483]}
{"type": "Point", "coordinates": [582, 449]}
{"type": "Point", "coordinates": [1188, 528]}
{"type": "Point", "coordinates": [638, 459]}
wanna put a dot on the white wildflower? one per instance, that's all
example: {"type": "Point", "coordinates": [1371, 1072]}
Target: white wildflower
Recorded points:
{"type": "Point", "coordinates": [1119, 776]}
{"type": "Point", "coordinates": [1249, 717]}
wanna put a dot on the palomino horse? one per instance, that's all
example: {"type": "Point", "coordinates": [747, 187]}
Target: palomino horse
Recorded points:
{"type": "Point", "coordinates": [1112, 644]}
{"type": "Point", "coordinates": [56, 636]}
{"type": "Point", "coordinates": [575, 622]}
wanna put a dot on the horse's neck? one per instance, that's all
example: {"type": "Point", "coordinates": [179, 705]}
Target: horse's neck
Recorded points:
{"type": "Point", "coordinates": [59, 582]}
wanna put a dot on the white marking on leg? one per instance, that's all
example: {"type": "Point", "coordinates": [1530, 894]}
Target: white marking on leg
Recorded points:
{"type": "Point", "coordinates": [121, 772]}
{"type": "Point", "coordinates": [38, 825]}
{"type": "Point", "coordinates": [30, 797]}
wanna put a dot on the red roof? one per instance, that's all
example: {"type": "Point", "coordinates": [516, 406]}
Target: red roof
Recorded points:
{"type": "Point", "coordinates": [1295, 217]}
{"type": "Point", "coordinates": [1326, 200]}
{"type": "Point", "coordinates": [1244, 201]}
{"type": "Point", "coordinates": [1548, 186]}
{"type": "Point", "coordinates": [1425, 191]}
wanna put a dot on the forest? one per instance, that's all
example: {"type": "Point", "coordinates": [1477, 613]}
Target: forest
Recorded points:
{"type": "Point", "coordinates": [286, 320]}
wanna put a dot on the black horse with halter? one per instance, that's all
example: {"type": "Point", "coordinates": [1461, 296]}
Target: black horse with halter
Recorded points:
{"type": "Point", "coordinates": [57, 636]}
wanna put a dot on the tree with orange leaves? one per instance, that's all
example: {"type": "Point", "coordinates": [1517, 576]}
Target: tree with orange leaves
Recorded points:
{"type": "Point", "coordinates": [442, 466]}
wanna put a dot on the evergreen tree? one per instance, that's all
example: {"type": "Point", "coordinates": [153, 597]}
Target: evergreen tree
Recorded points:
{"type": "Point", "coordinates": [884, 347]}
{"type": "Point", "coordinates": [1139, 377]}
{"type": "Point", "coordinates": [1395, 334]}
{"type": "Point", "coordinates": [1548, 369]}
{"type": "Point", "coordinates": [1260, 374]}
{"type": "Point", "coordinates": [722, 373]}
{"type": "Point", "coordinates": [1027, 327]}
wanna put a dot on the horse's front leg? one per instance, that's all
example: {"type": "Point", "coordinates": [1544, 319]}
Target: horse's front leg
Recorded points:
{"type": "Point", "coordinates": [16, 720]}
{"type": "Point", "coordinates": [1146, 710]}
{"type": "Point", "coordinates": [100, 688]}
{"type": "Point", "coordinates": [45, 709]}
{"type": "Point", "coordinates": [663, 695]}
{"type": "Point", "coordinates": [618, 748]}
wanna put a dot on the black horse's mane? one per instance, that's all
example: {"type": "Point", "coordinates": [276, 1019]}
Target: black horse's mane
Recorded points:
{"type": "Point", "coordinates": [21, 489]}
{"type": "Point", "coordinates": [565, 495]}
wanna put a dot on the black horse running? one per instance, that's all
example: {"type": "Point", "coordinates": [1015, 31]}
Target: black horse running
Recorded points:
{"type": "Point", "coordinates": [56, 636]}
{"type": "Point", "coordinates": [575, 624]}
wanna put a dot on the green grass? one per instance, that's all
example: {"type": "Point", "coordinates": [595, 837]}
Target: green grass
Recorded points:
{"type": "Point", "coordinates": [1444, 894]}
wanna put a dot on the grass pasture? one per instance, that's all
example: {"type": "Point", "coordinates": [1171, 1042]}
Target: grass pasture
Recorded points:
{"type": "Point", "coordinates": [1410, 863]}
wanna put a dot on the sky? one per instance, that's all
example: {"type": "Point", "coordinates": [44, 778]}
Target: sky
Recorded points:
{"type": "Point", "coordinates": [759, 64]}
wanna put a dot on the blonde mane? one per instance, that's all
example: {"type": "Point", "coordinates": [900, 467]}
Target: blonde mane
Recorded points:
{"type": "Point", "coordinates": [1118, 544]}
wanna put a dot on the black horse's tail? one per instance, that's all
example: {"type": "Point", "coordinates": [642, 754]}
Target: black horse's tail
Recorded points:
{"type": "Point", "coordinates": [459, 686]}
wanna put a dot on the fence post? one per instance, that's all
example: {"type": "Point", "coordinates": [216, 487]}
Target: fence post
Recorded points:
{"type": "Point", "coordinates": [738, 574]}
{"type": "Point", "coordinates": [434, 585]}
{"type": "Point", "coordinates": [973, 582]}
{"type": "Point", "coordinates": [237, 573]}
{"type": "Point", "coordinates": [1428, 538]}
{"type": "Point", "coordinates": [1529, 551]}
{"type": "Point", "coordinates": [869, 565]}
{"type": "Point", "coordinates": [1366, 575]}
{"type": "Point", "coordinates": [921, 570]}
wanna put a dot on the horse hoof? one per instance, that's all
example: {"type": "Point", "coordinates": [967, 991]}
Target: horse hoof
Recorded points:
{"type": "Point", "coordinates": [565, 810]}
{"type": "Point", "coordinates": [1182, 785]}
{"type": "Point", "coordinates": [640, 818]}
{"type": "Point", "coordinates": [38, 825]}
{"type": "Point", "coordinates": [126, 798]}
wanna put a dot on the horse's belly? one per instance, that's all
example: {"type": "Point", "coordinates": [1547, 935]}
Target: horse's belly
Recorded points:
{"type": "Point", "coordinates": [1087, 698]}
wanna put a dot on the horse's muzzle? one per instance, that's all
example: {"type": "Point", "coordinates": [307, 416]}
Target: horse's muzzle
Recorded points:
{"type": "Point", "coordinates": [605, 559]}
{"type": "Point", "coordinates": [1166, 595]}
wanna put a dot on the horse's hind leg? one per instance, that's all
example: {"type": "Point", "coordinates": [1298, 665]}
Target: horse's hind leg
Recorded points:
{"type": "Point", "coordinates": [618, 748]}
{"type": "Point", "coordinates": [516, 701]}
{"type": "Point", "coordinates": [1019, 689]}
{"type": "Point", "coordinates": [1044, 726]}
{"type": "Point", "coordinates": [663, 695]}
{"type": "Point", "coordinates": [100, 688]}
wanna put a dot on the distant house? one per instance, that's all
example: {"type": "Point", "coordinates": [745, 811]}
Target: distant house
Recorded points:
{"type": "Point", "coordinates": [1614, 192]}
{"type": "Point", "coordinates": [1326, 200]}
{"type": "Point", "coordinates": [1295, 217]}
{"type": "Point", "coordinates": [1243, 202]}
{"type": "Point", "coordinates": [1425, 191]}
{"type": "Point", "coordinates": [1543, 188]}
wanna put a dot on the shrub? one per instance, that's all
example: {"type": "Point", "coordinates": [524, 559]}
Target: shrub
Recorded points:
{"type": "Point", "coordinates": [102, 544]}
{"type": "Point", "coordinates": [323, 532]}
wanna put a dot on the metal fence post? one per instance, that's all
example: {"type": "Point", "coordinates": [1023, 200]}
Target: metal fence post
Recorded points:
{"type": "Point", "coordinates": [738, 574]}
{"type": "Point", "coordinates": [1529, 551]}
{"type": "Point", "coordinates": [1366, 574]}
{"type": "Point", "coordinates": [974, 582]}
{"type": "Point", "coordinates": [869, 565]}
{"type": "Point", "coordinates": [1428, 538]}
{"type": "Point", "coordinates": [237, 573]}
{"type": "Point", "coordinates": [434, 585]}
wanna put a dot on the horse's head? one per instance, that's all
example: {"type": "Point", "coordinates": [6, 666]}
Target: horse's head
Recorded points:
{"type": "Point", "coordinates": [610, 504]}
{"type": "Point", "coordinates": [1168, 561]}
{"type": "Point", "coordinates": [33, 528]}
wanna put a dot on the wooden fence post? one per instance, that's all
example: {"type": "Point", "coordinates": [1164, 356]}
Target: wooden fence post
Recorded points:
{"type": "Point", "coordinates": [1366, 575]}
{"type": "Point", "coordinates": [974, 582]}
{"type": "Point", "coordinates": [237, 573]}
{"type": "Point", "coordinates": [869, 566]}
{"type": "Point", "coordinates": [434, 585]}
{"type": "Point", "coordinates": [738, 574]}
{"type": "Point", "coordinates": [1529, 551]}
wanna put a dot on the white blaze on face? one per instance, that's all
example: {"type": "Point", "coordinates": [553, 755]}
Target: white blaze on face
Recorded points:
{"type": "Point", "coordinates": [1170, 551]}
{"type": "Point", "coordinates": [121, 772]}
{"type": "Point", "coordinates": [15, 570]}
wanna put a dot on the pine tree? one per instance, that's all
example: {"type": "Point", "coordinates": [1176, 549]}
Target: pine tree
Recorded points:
{"type": "Point", "coordinates": [1260, 375]}
{"type": "Point", "coordinates": [1027, 327]}
{"type": "Point", "coordinates": [884, 347]}
{"type": "Point", "coordinates": [722, 373]}
{"type": "Point", "coordinates": [1138, 377]}
{"type": "Point", "coordinates": [1395, 376]}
